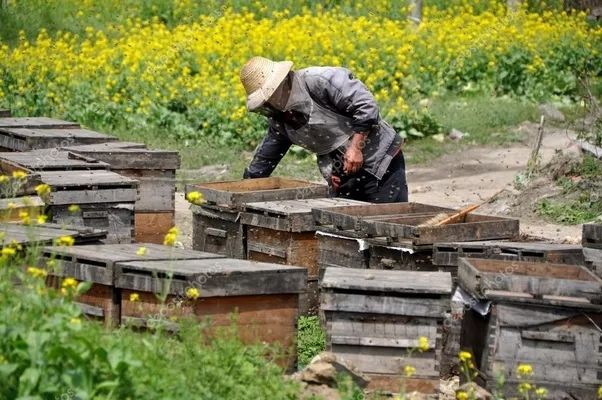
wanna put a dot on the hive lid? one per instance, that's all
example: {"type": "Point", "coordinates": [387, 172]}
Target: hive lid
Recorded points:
{"type": "Point", "coordinates": [36, 122]}
{"type": "Point", "coordinates": [387, 281]}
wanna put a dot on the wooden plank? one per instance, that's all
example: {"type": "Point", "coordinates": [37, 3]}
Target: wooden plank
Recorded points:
{"type": "Point", "coordinates": [593, 260]}
{"type": "Point", "coordinates": [387, 281]}
{"type": "Point", "coordinates": [338, 251]}
{"type": "Point", "coordinates": [104, 147]}
{"type": "Point", "coordinates": [234, 194]}
{"type": "Point", "coordinates": [4, 113]}
{"type": "Point", "coordinates": [35, 122]}
{"type": "Point", "coordinates": [45, 161]}
{"type": "Point", "coordinates": [95, 179]}
{"type": "Point", "coordinates": [219, 277]}
{"type": "Point", "coordinates": [92, 196]}
{"type": "Point", "coordinates": [362, 303]}
{"type": "Point", "coordinates": [120, 157]}
{"type": "Point", "coordinates": [537, 279]}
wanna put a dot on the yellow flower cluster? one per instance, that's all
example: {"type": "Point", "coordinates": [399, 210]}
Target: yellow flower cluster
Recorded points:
{"type": "Point", "coordinates": [524, 370]}
{"type": "Point", "coordinates": [195, 198]}
{"type": "Point", "coordinates": [423, 343]}
{"type": "Point", "coordinates": [37, 272]}
{"type": "Point", "coordinates": [134, 297]}
{"type": "Point", "coordinates": [170, 237]}
{"type": "Point", "coordinates": [134, 69]}
{"type": "Point", "coordinates": [192, 293]}
{"type": "Point", "coordinates": [65, 241]}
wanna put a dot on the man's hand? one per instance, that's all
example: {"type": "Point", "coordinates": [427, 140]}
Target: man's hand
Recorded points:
{"type": "Point", "coordinates": [354, 157]}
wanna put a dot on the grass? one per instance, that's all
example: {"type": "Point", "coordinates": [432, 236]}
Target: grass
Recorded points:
{"type": "Point", "coordinates": [311, 339]}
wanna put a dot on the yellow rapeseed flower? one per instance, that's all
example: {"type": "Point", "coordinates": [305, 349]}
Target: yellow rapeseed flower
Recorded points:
{"type": "Point", "coordinates": [24, 217]}
{"type": "Point", "coordinates": [65, 241]}
{"type": "Point", "coordinates": [37, 272]}
{"type": "Point", "coordinates": [541, 393]}
{"type": "Point", "coordinates": [75, 321]}
{"type": "Point", "coordinates": [409, 371]}
{"type": "Point", "coordinates": [600, 392]}
{"type": "Point", "coordinates": [41, 219]}
{"type": "Point", "coordinates": [423, 343]}
{"type": "Point", "coordinates": [73, 208]}
{"type": "Point", "coordinates": [4, 179]}
{"type": "Point", "coordinates": [524, 370]}
{"type": "Point", "coordinates": [42, 189]}
{"type": "Point", "coordinates": [171, 237]}
{"type": "Point", "coordinates": [19, 174]}
{"type": "Point", "coordinates": [524, 387]}
{"type": "Point", "coordinates": [134, 297]}
{"type": "Point", "coordinates": [8, 252]}
{"type": "Point", "coordinates": [195, 197]}
{"type": "Point", "coordinates": [69, 283]}
{"type": "Point", "coordinates": [464, 356]}
{"type": "Point", "coordinates": [141, 251]}
{"type": "Point", "coordinates": [461, 395]}
{"type": "Point", "coordinates": [192, 293]}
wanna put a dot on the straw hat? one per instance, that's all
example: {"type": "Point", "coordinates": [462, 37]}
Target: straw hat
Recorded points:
{"type": "Point", "coordinates": [261, 77]}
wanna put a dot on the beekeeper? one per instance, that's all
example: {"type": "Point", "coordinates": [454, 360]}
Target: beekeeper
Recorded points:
{"type": "Point", "coordinates": [329, 112]}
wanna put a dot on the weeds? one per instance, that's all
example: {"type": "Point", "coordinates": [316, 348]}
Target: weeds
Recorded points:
{"type": "Point", "coordinates": [311, 339]}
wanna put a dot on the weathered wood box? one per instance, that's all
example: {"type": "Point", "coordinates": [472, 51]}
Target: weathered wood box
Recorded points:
{"type": "Point", "coordinates": [264, 297]}
{"type": "Point", "coordinates": [592, 236]}
{"type": "Point", "coordinates": [374, 320]}
{"type": "Point", "coordinates": [96, 264]}
{"type": "Point", "coordinates": [339, 249]}
{"type": "Point", "coordinates": [544, 315]}
{"type": "Point", "coordinates": [447, 254]}
{"type": "Point", "coordinates": [4, 113]}
{"type": "Point", "coordinates": [155, 171]}
{"type": "Point", "coordinates": [283, 232]}
{"type": "Point", "coordinates": [24, 134]}
{"type": "Point", "coordinates": [216, 224]}
{"type": "Point", "coordinates": [105, 200]}
{"type": "Point", "coordinates": [37, 235]}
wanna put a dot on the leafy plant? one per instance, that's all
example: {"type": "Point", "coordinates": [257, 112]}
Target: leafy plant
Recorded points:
{"type": "Point", "coordinates": [311, 339]}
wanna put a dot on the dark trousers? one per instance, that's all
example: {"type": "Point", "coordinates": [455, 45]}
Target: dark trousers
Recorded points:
{"type": "Point", "coordinates": [392, 188]}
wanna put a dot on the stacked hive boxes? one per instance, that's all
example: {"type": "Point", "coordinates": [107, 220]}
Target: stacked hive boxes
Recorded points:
{"type": "Point", "coordinates": [155, 171]}
{"type": "Point", "coordinates": [592, 247]}
{"type": "Point", "coordinates": [545, 315]}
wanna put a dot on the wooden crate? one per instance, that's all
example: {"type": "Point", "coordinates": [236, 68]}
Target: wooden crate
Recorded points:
{"type": "Point", "coordinates": [155, 170]}
{"type": "Point", "coordinates": [374, 317]}
{"type": "Point", "coordinates": [4, 113]}
{"type": "Point", "coordinates": [386, 255]}
{"type": "Point", "coordinates": [264, 296]}
{"type": "Point", "coordinates": [448, 253]}
{"type": "Point", "coordinates": [234, 194]}
{"type": "Point", "coordinates": [341, 249]}
{"type": "Point", "coordinates": [46, 136]}
{"type": "Point", "coordinates": [106, 201]}
{"type": "Point", "coordinates": [545, 315]}
{"type": "Point", "coordinates": [151, 227]}
{"type": "Point", "coordinates": [592, 236]}
{"type": "Point", "coordinates": [96, 264]}
{"type": "Point", "coordinates": [283, 232]}
{"type": "Point", "coordinates": [218, 230]}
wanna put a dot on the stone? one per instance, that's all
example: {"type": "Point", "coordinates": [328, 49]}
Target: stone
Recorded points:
{"type": "Point", "coordinates": [455, 134]}
{"type": "Point", "coordinates": [324, 369]}
{"type": "Point", "coordinates": [478, 392]}
{"type": "Point", "coordinates": [551, 113]}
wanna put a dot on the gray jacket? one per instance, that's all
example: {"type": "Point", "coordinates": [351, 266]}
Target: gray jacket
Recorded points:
{"type": "Point", "coordinates": [339, 105]}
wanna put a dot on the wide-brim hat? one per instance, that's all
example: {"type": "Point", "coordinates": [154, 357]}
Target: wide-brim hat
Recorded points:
{"type": "Point", "coordinates": [261, 77]}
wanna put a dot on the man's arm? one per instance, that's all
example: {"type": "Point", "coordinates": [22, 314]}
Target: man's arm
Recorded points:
{"type": "Point", "coordinates": [350, 97]}
{"type": "Point", "coordinates": [268, 154]}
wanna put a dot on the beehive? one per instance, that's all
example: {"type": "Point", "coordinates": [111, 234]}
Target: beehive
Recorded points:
{"type": "Point", "coordinates": [24, 134]}
{"type": "Point", "coordinates": [545, 315]}
{"type": "Point", "coordinates": [264, 297]}
{"type": "Point", "coordinates": [216, 224]}
{"type": "Point", "coordinates": [155, 171]}
{"type": "Point", "coordinates": [96, 264]}
{"type": "Point", "coordinates": [374, 320]}
{"type": "Point", "coordinates": [283, 232]}
{"type": "Point", "coordinates": [592, 247]}
{"type": "Point", "coordinates": [105, 200]}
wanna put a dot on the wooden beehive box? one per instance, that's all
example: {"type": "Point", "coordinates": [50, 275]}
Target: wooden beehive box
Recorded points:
{"type": "Point", "coordinates": [544, 315]}
{"type": "Point", "coordinates": [447, 254]}
{"type": "Point", "coordinates": [4, 113]}
{"type": "Point", "coordinates": [36, 235]}
{"type": "Point", "coordinates": [592, 247]}
{"type": "Point", "coordinates": [283, 232]}
{"type": "Point", "coordinates": [374, 318]}
{"type": "Point", "coordinates": [155, 171]}
{"type": "Point", "coordinates": [24, 134]}
{"type": "Point", "coordinates": [264, 296]}
{"type": "Point", "coordinates": [216, 224]}
{"type": "Point", "coordinates": [105, 200]}
{"type": "Point", "coordinates": [96, 264]}
{"type": "Point", "coordinates": [341, 249]}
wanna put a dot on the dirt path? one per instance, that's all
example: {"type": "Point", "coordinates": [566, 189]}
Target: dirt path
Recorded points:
{"type": "Point", "coordinates": [467, 177]}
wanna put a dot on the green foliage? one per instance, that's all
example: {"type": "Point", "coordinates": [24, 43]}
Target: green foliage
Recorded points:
{"type": "Point", "coordinates": [48, 350]}
{"type": "Point", "coordinates": [584, 209]}
{"type": "Point", "coordinates": [311, 339]}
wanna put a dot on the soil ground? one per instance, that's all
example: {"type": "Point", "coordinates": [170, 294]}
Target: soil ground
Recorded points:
{"type": "Point", "coordinates": [468, 177]}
